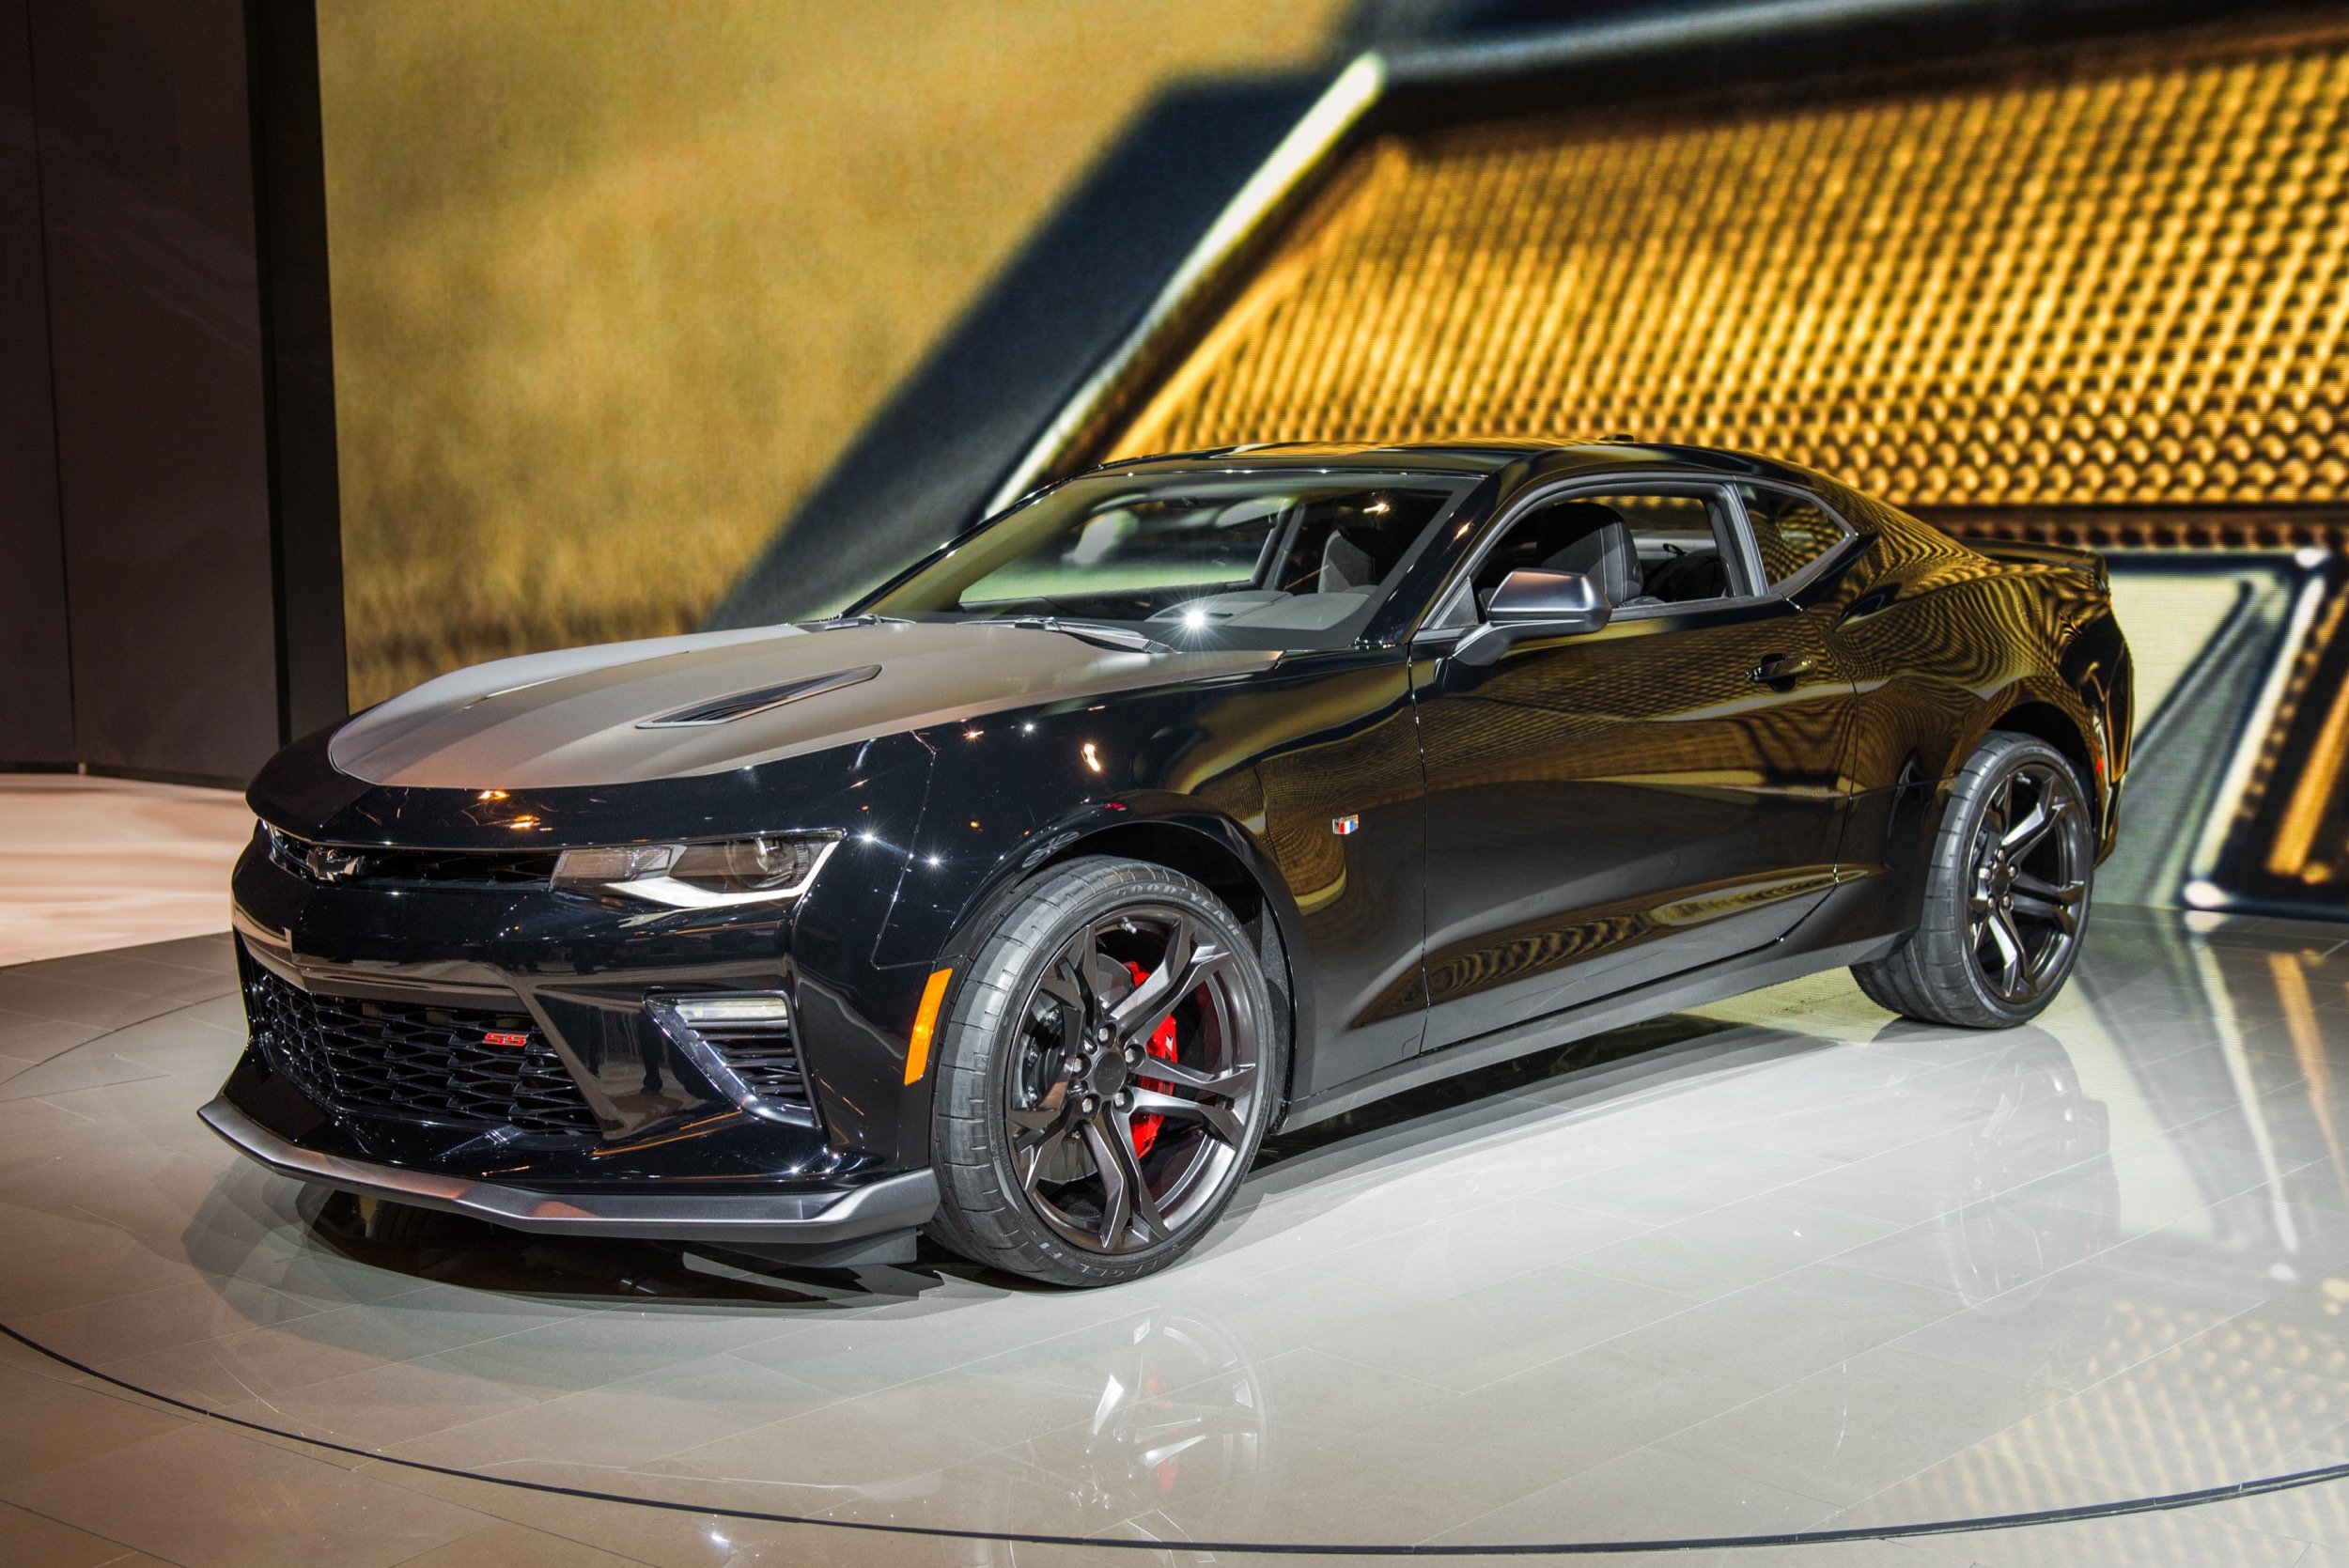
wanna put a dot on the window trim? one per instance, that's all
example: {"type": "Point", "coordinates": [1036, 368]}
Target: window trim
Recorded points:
{"type": "Point", "coordinates": [1809, 569]}
{"type": "Point", "coordinates": [1456, 592]}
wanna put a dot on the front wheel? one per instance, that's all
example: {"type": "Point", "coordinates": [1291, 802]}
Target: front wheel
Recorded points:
{"type": "Point", "coordinates": [2006, 894]}
{"type": "Point", "coordinates": [1104, 1077]}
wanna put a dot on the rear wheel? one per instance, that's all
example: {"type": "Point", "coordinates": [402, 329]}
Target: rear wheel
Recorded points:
{"type": "Point", "coordinates": [2006, 894]}
{"type": "Point", "coordinates": [1104, 1079]}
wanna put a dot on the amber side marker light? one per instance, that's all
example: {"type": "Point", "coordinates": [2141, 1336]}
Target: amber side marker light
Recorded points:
{"type": "Point", "coordinates": [925, 1024]}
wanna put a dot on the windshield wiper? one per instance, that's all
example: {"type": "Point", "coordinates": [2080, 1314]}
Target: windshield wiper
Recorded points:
{"type": "Point", "coordinates": [1099, 636]}
{"type": "Point", "coordinates": [834, 623]}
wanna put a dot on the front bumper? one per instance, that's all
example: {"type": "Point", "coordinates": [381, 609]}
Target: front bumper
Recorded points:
{"type": "Point", "coordinates": [504, 1052]}
{"type": "Point", "coordinates": [821, 1218]}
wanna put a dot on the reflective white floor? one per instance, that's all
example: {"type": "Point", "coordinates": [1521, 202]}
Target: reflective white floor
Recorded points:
{"type": "Point", "coordinates": [1782, 1265]}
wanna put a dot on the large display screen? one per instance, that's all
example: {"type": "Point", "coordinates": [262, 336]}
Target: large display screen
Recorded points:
{"type": "Point", "coordinates": [613, 283]}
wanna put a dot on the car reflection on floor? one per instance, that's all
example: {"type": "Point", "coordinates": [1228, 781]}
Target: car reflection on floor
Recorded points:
{"type": "Point", "coordinates": [1782, 1263]}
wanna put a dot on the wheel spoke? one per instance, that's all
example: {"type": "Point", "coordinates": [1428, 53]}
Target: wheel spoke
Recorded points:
{"type": "Point", "coordinates": [1127, 1202]}
{"type": "Point", "coordinates": [2025, 835]}
{"type": "Point", "coordinates": [1182, 966]}
{"type": "Point", "coordinates": [1071, 979]}
{"type": "Point", "coordinates": [2066, 893]}
{"type": "Point", "coordinates": [1230, 1084]}
{"type": "Point", "coordinates": [2010, 950]}
{"type": "Point", "coordinates": [2002, 809]}
{"type": "Point", "coordinates": [1177, 1435]}
{"type": "Point", "coordinates": [1061, 983]}
{"type": "Point", "coordinates": [1219, 1120]}
{"type": "Point", "coordinates": [1151, 1458]}
{"type": "Point", "coordinates": [1068, 1017]}
{"type": "Point", "coordinates": [2057, 915]}
{"type": "Point", "coordinates": [1043, 1117]}
{"type": "Point", "coordinates": [1120, 1133]}
{"type": "Point", "coordinates": [1181, 942]}
{"type": "Point", "coordinates": [2057, 906]}
{"type": "Point", "coordinates": [2019, 836]}
{"type": "Point", "coordinates": [1117, 1203]}
{"type": "Point", "coordinates": [1028, 1163]}
{"type": "Point", "coordinates": [1051, 1126]}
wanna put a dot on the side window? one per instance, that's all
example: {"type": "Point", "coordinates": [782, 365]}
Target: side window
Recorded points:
{"type": "Point", "coordinates": [1790, 531]}
{"type": "Point", "coordinates": [1643, 548]}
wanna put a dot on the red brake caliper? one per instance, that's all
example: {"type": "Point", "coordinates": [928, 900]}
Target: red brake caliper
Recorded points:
{"type": "Point", "coordinates": [1162, 1047]}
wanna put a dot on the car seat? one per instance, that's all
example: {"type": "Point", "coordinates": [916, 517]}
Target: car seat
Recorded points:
{"type": "Point", "coordinates": [1585, 536]}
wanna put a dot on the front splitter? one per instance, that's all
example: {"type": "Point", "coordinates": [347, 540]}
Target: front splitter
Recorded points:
{"type": "Point", "coordinates": [821, 1218]}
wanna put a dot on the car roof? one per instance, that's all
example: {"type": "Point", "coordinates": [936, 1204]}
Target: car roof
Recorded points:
{"type": "Point", "coordinates": [1544, 459]}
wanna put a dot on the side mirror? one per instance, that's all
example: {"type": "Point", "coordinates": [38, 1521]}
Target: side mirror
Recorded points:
{"type": "Point", "coordinates": [1532, 604]}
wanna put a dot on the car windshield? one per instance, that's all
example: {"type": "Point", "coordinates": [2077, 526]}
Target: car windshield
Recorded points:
{"type": "Point", "coordinates": [1276, 558]}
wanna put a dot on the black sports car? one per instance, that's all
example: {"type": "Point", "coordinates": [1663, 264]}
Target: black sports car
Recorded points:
{"type": "Point", "coordinates": [1190, 797]}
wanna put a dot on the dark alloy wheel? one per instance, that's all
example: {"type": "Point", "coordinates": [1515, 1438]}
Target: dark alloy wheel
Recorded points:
{"type": "Point", "coordinates": [2006, 897]}
{"type": "Point", "coordinates": [2029, 886]}
{"type": "Point", "coordinates": [1104, 1078]}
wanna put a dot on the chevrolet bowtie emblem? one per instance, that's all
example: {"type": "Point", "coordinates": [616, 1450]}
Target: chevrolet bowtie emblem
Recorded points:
{"type": "Point", "coordinates": [329, 864]}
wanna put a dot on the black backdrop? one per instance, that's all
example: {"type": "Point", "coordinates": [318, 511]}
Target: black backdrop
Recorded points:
{"type": "Point", "coordinates": [170, 591]}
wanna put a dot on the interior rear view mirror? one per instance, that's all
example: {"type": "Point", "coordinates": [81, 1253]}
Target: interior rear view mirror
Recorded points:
{"type": "Point", "coordinates": [1531, 603]}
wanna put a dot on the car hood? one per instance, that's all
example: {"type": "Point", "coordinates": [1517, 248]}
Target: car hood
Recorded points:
{"type": "Point", "coordinates": [628, 712]}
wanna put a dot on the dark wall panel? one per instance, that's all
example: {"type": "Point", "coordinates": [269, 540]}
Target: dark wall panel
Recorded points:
{"type": "Point", "coordinates": [298, 337]}
{"type": "Point", "coordinates": [36, 689]}
{"type": "Point", "coordinates": [147, 184]}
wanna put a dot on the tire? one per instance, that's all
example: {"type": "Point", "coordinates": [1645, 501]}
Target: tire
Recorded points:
{"type": "Point", "coordinates": [1035, 1109]}
{"type": "Point", "coordinates": [2007, 893]}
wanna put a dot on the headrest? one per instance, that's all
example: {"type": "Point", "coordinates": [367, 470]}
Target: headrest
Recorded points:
{"type": "Point", "coordinates": [1600, 547]}
{"type": "Point", "coordinates": [1345, 565]}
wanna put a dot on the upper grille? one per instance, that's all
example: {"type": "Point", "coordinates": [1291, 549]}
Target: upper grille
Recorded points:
{"type": "Point", "coordinates": [454, 865]}
{"type": "Point", "coordinates": [336, 862]}
{"type": "Point", "coordinates": [405, 1059]}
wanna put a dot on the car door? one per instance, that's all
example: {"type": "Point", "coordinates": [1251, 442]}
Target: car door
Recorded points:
{"type": "Point", "coordinates": [1608, 809]}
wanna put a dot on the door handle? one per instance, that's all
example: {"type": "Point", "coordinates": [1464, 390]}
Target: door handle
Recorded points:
{"type": "Point", "coordinates": [1783, 666]}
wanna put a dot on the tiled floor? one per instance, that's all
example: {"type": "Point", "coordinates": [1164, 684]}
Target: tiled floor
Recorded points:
{"type": "Point", "coordinates": [88, 865]}
{"type": "Point", "coordinates": [1790, 1266]}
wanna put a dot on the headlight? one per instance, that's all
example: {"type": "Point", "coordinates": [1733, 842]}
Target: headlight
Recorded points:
{"type": "Point", "coordinates": [770, 868]}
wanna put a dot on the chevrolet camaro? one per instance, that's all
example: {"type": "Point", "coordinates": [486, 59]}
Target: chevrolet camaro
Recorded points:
{"type": "Point", "coordinates": [1190, 797]}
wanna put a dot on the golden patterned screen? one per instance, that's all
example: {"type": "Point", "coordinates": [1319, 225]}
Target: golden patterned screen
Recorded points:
{"type": "Point", "coordinates": [2099, 296]}
{"type": "Point", "coordinates": [2118, 281]}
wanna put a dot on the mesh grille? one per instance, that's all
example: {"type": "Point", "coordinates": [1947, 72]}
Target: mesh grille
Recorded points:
{"type": "Point", "coordinates": [403, 1059]}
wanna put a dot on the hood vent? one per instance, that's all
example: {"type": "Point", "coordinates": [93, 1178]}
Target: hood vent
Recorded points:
{"type": "Point", "coordinates": [725, 710]}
